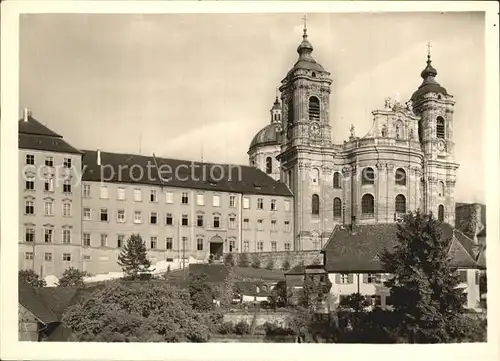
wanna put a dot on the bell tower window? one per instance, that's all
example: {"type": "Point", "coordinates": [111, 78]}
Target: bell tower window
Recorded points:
{"type": "Point", "coordinates": [440, 128]}
{"type": "Point", "coordinates": [314, 108]}
{"type": "Point", "coordinates": [315, 204]}
{"type": "Point", "coordinates": [290, 111]}
{"type": "Point", "coordinates": [269, 165]}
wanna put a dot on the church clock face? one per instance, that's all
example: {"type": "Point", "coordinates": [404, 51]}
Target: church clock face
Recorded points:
{"type": "Point", "coordinates": [441, 146]}
{"type": "Point", "coordinates": [314, 130]}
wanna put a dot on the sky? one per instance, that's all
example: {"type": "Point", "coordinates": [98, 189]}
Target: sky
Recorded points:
{"type": "Point", "coordinates": [201, 85]}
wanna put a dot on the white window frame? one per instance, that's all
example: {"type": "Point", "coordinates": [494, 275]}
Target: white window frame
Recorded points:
{"type": "Point", "coordinates": [87, 216]}
{"type": "Point", "coordinates": [153, 196]}
{"type": "Point", "coordinates": [246, 203]}
{"type": "Point", "coordinates": [103, 192]}
{"type": "Point", "coordinates": [66, 209]}
{"type": "Point", "coordinates": [120, 193]}
{"type": "Point", "coordinates": [200, 199]}
{"type": "Point", "coordinates": [287, 206]}
{"type": "Point", "coordinates": [84, 239]}
{"type": "Point", "coordinates": [86, 191]}
{"type": "Point", "coordinates": [137, 195]}
{"type": "Point", "coordinates": [48, 208]}
{"type": "Point", "coordinates": [66, 236]}
{"type": "Point", "coordinates": [169, 197]}
{"type": "Point", "coordinates": [232, 201]}
{"type": "Point", "coordinates": [137, 217]}
{"type": "Point", "coordinates": [120, 216]}
{"type": "Point", "coordinates": [216, 200]}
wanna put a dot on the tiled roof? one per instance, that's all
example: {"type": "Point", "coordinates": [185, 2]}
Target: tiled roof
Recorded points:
{"type": "Point", "coordinates": [33, 302]}
{"type": "Point", "coordinates": [58, 298]}
{"type": "Point", "coordinates": [346, 252]}
{"type": "Point", "coordinates": [301, 270]}
{"type": "Point", "coordinates": [34, 135]}
{"type": "Point", "coordinates": [180, 173]}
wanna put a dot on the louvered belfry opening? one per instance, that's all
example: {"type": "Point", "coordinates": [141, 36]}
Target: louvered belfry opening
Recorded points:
{"type": "Point", "coordinates": [314, 108]}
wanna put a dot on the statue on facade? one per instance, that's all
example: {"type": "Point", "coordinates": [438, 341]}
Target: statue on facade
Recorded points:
{"type": "Point", "coordinates": [353, 135]}
{"type": "Point", "coordinates": [388, 103]}
{"type": "Point", "coordinates": [409, 106]}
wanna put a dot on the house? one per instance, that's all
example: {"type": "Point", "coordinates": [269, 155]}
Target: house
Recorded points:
{"type": "Point", "coordinates": [351, 259]}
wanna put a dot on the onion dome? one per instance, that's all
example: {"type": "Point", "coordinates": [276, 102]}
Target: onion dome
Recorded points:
{"type": "Point", "coordinates": [276, 105]}
{"type": "Point", "coordinates": [429, 85]}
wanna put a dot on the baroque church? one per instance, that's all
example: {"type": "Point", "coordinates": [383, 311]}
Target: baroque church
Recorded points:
{"type": "Point", "coordinates": [405, 162]}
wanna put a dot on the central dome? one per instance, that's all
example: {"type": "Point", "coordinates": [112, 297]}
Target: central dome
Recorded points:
{"type": "Point", "coordinates": [269, 135]}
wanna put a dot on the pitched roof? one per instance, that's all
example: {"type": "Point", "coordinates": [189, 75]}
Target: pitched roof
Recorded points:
{"type": "Point", "coordinates": [34, 135]}
{"type": "Point", "coordinates": [58, 298]}
{"type": "Point", "coordinates": [31, 300]}
{"type": "Point", "coordinates": [130, 168]}
{"type": "Point", "coordinates": [346, 252]}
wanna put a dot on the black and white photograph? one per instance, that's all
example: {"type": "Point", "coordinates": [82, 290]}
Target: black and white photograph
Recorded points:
{"type": "Point", "coordinates": [211, 175]}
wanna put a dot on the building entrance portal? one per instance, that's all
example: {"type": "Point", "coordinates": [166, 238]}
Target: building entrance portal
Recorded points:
{"type": "Point", "coordinates": [216, 248]}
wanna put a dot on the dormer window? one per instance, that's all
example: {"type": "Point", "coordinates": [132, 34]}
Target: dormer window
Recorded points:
{"type": "Point", "coordinates": [313, 74]}
{"type": "Point", "coordinates": [269, 165]}
{"type": "Point", "coordinates": [314, 108]}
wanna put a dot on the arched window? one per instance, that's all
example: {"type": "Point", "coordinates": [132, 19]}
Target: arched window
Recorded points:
{"type": "Point", "coordinates": [383, 131]}
{"type": "Point", "coordinates": [336, 180]}
{"type": "Point", "coordinates": [367, 205]}
{"type": "Point", "coordinates": [269, 165]}
{"type": "Point", "coordinates": [313, 74]}
{"type": "Point", "coordinates": [399, 130]}
{"type": "Point", "coordinates": [440, 189]}
{"type": "Point", "coordinates": [290, 111]}
{"type": "Point", "coordinates": [400, 204]}
{"type": "Point", "coordinates": [441, 213]}
{"type": "Point", "coordinates": [440, 128]}
{"type": "Point", "coordinates": [315, 204]}
{"type": "Point", "coordinates": [337, 208]}
{"type": "Point", "coordinates": [400, 177]}
{"type": "Point", "coordinates": [368, 176]}
{"type": "Point", "coordinates": [314, 108]}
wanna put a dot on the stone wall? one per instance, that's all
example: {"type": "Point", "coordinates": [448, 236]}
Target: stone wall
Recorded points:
{"type": "Point", "coordinates": [277, 318]}
{"type": "Point", "coordinates": [295, 258]}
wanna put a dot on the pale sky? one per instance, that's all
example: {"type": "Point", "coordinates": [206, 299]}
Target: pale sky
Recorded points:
{"type": "Point", "coordinates": [183, 85]}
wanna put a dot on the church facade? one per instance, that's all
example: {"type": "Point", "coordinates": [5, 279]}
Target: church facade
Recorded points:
{"type": "Point", "coordinates": [405, 162]}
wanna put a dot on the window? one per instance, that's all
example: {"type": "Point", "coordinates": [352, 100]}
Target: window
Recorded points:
{"type": "Point", "coordinates": [49, 185]}
{"type": "Point", "coordinates": [120, 216]}
{"type": "Point", "coordinates": [86, 239]}
{"type": "Point", "coordinates": [260, 246]}
{"type": "Point", "coordinates": [29, 207]}
{"type": "Point", "coordinates": [30, 183]}
{"type": "Point", "coordinates": [287, 206]}
{"type": "Point", "coordinates": [400, 177]}
{"type": "Point", "coordinates": [67, 186]}
{"type": "Point", "coordinates": [200, 199]}
{"type": "Point", "coordinates": [376, 300]}
{"type": "Point", "coordinates": [400, 204]}
{"type": "Point", "coordinates": [216, 221]}
{"type": "Point", "coordinates": [29, 235]}
{"type": "Point", "coordinates": [337, 208]}
{"type": "Point", "coordinates": [49, 161]}
{"type": "Point", "coordinates": [314, 108]}
{"type": "Point", "coordinates": [246, 246]}
{"type": "Point", "coordinates": [269, 165]}
{"type": "Point", "coordinates": [67, 257]}
{"type": "Point", "coordinates": [441, 213]}
{"type": "Point", "coordinates": [383, 131]}
{"type": "Point", "coordinates": [48, 235]}
{"type": "Point", "coordinates": [199, 244]}
{"type": "Point", "coordinates": [216, 201]}
{"type": "Point", "coordinates": [185, 220]}
{"type": "Point", "coordinates": [86, 190]}
{"type": "Point", "coordinates": [336, 180]}
{"type": "Point", "coordinates": [168, 243]}
{"type": "Point", "coordinates": [287, 246]}
{"type": "Point", "coordinates": [462, 276]}
{"type": "Point", "coordinates": [371, 278]}
{"type": "Point", "coordinates": [66, 209]}
{"type": "Point", "coordinates": [153, 242]}
{"type": "Point", "coordinates": [120, 240]}
{"type": "Point", "coordinates": [315, 204]}
{"type": "Point", "coordinates": [169, 197]}
{"type": "Point", "coordinates": [344, 278]}
{"type": "Point", "coordinates": [232, 245]}
{"type": "Point", "coordinates": [232, 222]}
{"type": "Point", "coordinates": [368, 176]}
{"type": "Point", "coordinates": [440, 189]}
{"type": "Point", "coordinates": [246, 223]}
{"type": "Point", "coordinates": [199, 220]}
{"type": "Point", "coordinates": [260, 203]}
{"type": "Point", "coordinates": [185, 198]}
{"type": "Point", "coordinates": [287, 226]}
{"type": "Point", "coordinates": [66, 236]}
{"type": "Point", "coordinates": [246, 203]}
{"type": "Point", "coordinates": [153, 218]}
{"type": "Point", "coordinates": [274, 246]}
{"type": "Point", "coordinates": [104, 214]}
{"type": "Point", "coordinates": [152, 196]}
{"type": "Point", "coordinates": [440, 128]}
{"type": "Point", "coordinates": [48, 208]}
{"type": "Point", "coordinates": [477, 276]}
{"type": "Point", "coordinates": [232, 201]}
{"type": "Point", "coordinates": [30, 159]}
{"type": "Point", "coordinates": [86, 257]}
{"type": "Point", "coordinates": [137, 195]}
{"type": "Point", "coordinates": [260, 224]}
{"type": "Point", "coordinates": [137, 217]}
{"type": "Point", "coordinates": [104, 240]}
{"type": "Point", "coordinates": [67, 163]}
{"type": "Point", "coordinates": [315, 176]}
{"type": "Point", "coordinates": [28, 255]}
{"type": "Point", "coordinates": [169, 219]}
{"type": "Point", "coordinates": [121, 193]}
{"type": "Point", "coordinates": [273, 205]}
{"type": "Point", "coordinates": [273, 225]}
{"type": "Point", "coordinates": [48, 257]}
{"type": "Point", "coordinates": [368, 205]}
{"type": "Point", "coordinates": [289, 116]}
{"type": "Point", "coordinates": [104, 192]}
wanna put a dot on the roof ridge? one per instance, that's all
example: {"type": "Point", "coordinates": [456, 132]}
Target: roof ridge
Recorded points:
{"type": "Point", "coordinates": [455, 240]}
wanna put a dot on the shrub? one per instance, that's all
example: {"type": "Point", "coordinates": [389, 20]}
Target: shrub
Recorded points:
{"type": "Point", "coordinates": [286, 265]}
{"type": "Point", "coordinates": [229, 260]}
{"type": "Point", "coordinates": [242, 328]}
{"type": "Point", "coordinates": [243, 260]}
{"type": "Point", "coordinates": [256, 262]}
{"type": "Point", "coordinates": [270, 264]}
{"type": "Point", "coordinates": [226, 328]}
{"type": "Point", "coordinates": [272, 329]}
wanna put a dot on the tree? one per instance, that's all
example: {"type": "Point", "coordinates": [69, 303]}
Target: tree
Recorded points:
{"type": "Point", "coordinates": [32, 278]}
{"type": "Point", "coordinates": [278, 295]}
{"type": "Point", "coordinates": [228, 289]}
{"type": "Point", "coordinates": [256, 261]}
{"type": "Point", "coordinates": [244, 260]}
{"type": "Point", "coordinates": [135, 312]}
{"type": "Point", "coordinates": [200, 292]}
{"type": "Point", "coordinates": [133, 257]}
{"type": "Point", "coordinates": [270, 264]}
{"type": "Point", "coordinates": [229, 260]}
{"type": "Point", "coordinates": [72, 277]}
{"type": "Point", "coordinates": [424, 290]}
{"type": "Point", "coordinates": [286, 265]}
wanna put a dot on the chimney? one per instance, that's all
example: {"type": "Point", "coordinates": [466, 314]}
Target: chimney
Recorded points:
{"type": "Point", "coordinates": [98, 157]}
{"type": "Point", "coordinates": [26, 114]}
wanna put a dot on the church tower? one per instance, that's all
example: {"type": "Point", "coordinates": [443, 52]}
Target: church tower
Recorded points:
{"type": "Point", "coordinates": [435, 107]}
{"type": "Point", "coordinates": [306, 149]}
